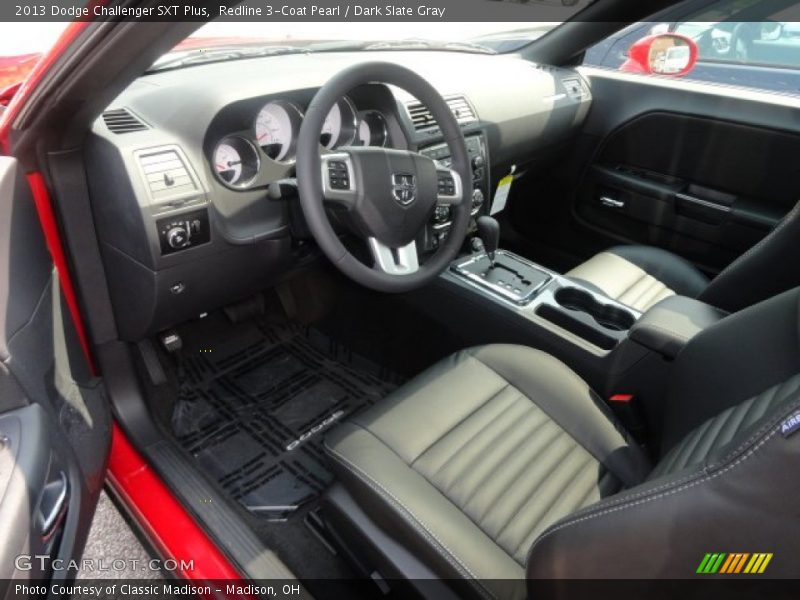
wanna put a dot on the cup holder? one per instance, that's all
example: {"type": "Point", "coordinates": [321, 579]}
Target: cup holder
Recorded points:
{"type": "Point", "coordinates": [606, 315]}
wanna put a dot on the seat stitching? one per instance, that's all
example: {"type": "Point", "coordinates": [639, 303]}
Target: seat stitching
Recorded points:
{"type": "Point", "coordinates": [684, 483]}
{"type": "Point", "coordinates": [558, 433]}
{"type": "Point", "coordinates": [501, 459]}
{"type": "Point", "coordinates": [414, 521]}
{"type": "Point", "coordinates": [693, 475]}
{"type": "Point", "coordinates": [539, 480]}
{"type": "Point", "coordinates": [534, 495]}
{"type": "Point", "coordinates": [649, 281]}
{"type": "Point", "coordinates": [735, 421]}
{"type": "Point", "coordinates": [656, 288]}
{"type": "Point", "coordinates": [602, 460]}
{"type": "Point", "coordinates": [461, 422]}
{"type": "Point", "coordinates": [635, 282]}
{"type": "Point", "coordinates": [681, 488]}
{"type": "Point", "coordinates": [573, 481]}
{"type": "Point", "coordinates": [710, 438]}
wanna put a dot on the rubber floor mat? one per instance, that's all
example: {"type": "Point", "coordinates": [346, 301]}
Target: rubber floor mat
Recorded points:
{"type": "Point", "coordinates": [254, 409]}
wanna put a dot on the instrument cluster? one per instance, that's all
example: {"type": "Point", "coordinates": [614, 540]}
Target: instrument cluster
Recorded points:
{"type": "Point", "coordinates": [237, 159]}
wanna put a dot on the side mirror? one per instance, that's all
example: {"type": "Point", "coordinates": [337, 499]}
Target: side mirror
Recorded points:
{"type": "Point", "coordinates": [771, 31]}
{"type": "Point", "coordinates": [662, 54]}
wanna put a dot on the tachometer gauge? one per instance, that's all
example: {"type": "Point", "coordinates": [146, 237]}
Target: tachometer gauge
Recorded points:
{"type": "Point", "coordinates": [372, 129]}
{"type": "Point", "coordinates": [276, 126]}
{"type": "Point", "coordinates": [235, 162]}
{"type": "Point", "coordinates": [339, 128]}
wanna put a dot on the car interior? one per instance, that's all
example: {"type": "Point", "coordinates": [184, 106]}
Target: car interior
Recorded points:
{"type": "Point", "coordinates": [453, 323]}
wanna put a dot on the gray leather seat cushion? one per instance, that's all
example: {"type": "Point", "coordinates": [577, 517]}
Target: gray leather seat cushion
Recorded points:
{"type": "Point", "coordinates": [473, 459]}
{"type": "Point", "coordinates": [640, 276]}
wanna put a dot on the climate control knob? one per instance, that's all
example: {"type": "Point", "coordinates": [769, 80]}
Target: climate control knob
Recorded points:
{"type": "Point", "coordinates": [178, 237]}
{"type": "Point", "coordinates": [477, 198]}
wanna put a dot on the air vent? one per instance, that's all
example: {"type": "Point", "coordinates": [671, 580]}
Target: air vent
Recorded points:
{"type": "Point", "coordinates": [576, 88]}
{"type": "Point", "coordinates": [121, 120]}
{"type": "Point", "coordinates": [460, 107]}
{"type": "Point", "coordinates": [166, 174]}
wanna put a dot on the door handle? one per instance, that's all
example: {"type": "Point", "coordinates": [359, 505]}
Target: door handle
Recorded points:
{"type": "Point", "coordinates": [53, 505]}
{"type": "Point", "coordinates": [610, 202]}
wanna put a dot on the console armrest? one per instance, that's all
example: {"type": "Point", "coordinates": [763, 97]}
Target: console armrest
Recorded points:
{"type": "Point", "coordinates": [669, 325]}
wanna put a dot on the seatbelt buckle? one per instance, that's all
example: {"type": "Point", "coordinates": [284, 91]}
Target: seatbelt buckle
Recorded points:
{"type": "Point", "coordinates": [627, 410]}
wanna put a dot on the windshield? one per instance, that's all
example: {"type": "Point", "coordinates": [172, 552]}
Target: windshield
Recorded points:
{"type": "Point", "coordinates": [226, 41]}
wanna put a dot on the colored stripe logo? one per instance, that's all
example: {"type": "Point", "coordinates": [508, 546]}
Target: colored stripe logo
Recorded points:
{"type": "Point", "coordinates": [734, 563]}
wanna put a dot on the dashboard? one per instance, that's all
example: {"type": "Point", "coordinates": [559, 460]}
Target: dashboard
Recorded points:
{"type": "Point", "coordinates": [190, 171]}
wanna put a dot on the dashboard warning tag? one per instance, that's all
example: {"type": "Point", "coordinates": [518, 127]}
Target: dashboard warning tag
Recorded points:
{"type": "Point", "coordinates": [502, 192]}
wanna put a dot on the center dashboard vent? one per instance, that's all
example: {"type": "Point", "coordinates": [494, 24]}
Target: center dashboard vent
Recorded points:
{"type": "Point", "coordinates": [121, 120]}
{"type": "Point", "coordinates": [459, 105]}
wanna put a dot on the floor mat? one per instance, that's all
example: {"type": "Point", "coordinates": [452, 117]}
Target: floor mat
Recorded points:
{"type": "Point", "coordinates": [254, 409]}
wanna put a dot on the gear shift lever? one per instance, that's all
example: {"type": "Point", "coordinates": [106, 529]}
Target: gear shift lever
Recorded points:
{"type": "Point", "coordinates": [489, 232]}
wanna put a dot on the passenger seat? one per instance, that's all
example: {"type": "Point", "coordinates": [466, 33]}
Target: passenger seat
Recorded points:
{"type": "Point", "coordinates": [641, 276]}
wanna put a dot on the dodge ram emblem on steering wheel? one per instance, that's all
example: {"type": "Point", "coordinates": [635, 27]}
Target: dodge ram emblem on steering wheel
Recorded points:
{"type": "Point", "coordinates": [404, 188]}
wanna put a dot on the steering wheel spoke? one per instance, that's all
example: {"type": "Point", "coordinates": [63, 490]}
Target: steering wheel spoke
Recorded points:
{"type": "Point", "coordinates": [394, 261]}
{"type": "Point", "coordinates": [450, 187]}
{"type": "Point", "coordinates": [338, 179]}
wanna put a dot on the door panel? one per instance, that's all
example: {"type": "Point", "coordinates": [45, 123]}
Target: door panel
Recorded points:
{"type": "Point", "coordinates": [705, 171]}
{"type": "Point", "coordinates": [54, 421]}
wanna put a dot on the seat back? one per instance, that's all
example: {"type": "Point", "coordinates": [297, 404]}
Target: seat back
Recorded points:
{"type": "Point", "coordinates": [726, 481]}
{"type": "Point", "coordinates": [767, 269]}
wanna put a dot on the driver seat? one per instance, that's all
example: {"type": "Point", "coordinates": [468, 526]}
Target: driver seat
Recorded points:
{"type": "Point", "coordinates": [499, 467]}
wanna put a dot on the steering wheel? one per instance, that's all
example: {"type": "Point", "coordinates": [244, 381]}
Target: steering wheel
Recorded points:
{"type": "Point", "coordinates": [390, 195]}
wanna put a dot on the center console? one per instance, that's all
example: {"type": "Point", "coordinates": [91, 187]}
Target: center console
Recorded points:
{"type": "Point", "coordinates": [496, 296]}
{"type": "Point", "coordinates": [553, 301]}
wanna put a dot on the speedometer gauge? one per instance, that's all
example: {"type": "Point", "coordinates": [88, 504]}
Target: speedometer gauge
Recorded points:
{"type": "Point", "coordinates": [275, 129]}
{"type": "Point", "coordinates": [372, 130]}
{"type": "Point", "coordinates": [339, 128]}
{"type": "Point", "coordinates": [235, 162]}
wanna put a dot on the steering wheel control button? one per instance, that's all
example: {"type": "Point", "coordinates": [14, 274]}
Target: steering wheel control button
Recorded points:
{"type": "Point", "coordinates": [447, 184]}
{"type": "Point", "coordinates": [338, 175]}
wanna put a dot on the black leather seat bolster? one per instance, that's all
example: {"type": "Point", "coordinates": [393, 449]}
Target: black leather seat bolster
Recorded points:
{"type": "Point", "coordinates": [676, 273]}
{"type": "Point", "coordinates": [765, 270]}
{"type": "Point", "coordinates": [743, 498]}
